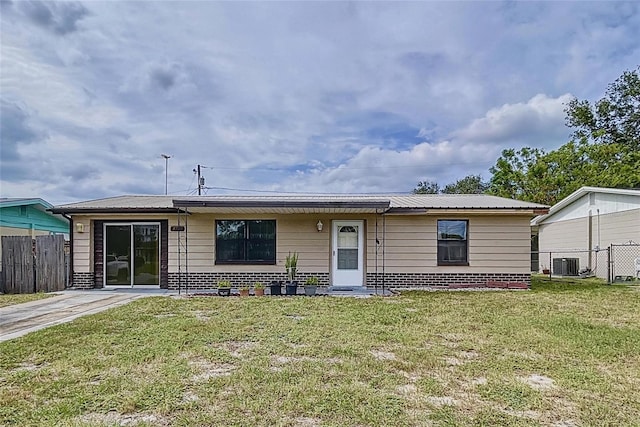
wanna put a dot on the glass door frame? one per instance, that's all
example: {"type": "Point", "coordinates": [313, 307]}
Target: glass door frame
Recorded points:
{"type": "Point", "coordinates": [130, 224]}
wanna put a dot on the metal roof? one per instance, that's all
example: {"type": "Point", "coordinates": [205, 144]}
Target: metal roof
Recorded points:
{"type": "Point", "coordinates": [309, 203]}
{"type": "Point", "coordinates": [578, 194]}
{"type": "Point", "coordinates": [120, 204]}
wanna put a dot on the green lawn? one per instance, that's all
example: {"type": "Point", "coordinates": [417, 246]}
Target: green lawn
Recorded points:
{"type": "Point", "coordinates": [11, 299]}
{"type": "Point", "coordinates": [560, 355]}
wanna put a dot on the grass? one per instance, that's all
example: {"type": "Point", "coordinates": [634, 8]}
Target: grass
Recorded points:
{"type": "Point", "coordinates": [11, 299]}
{"type": "Point", "coordinates": [562, 354]}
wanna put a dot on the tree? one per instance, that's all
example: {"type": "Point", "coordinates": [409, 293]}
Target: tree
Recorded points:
{"type": "Point", "coordinates": [471, 184]}
{"type": "Point", "coordinates": [536, 176]}
{"type": "Point", "coordinates": [614, 118]}
{"type": "Point", "coordinates": [427, 187]}
{"type": "Point", "coordinates": [604, 152]}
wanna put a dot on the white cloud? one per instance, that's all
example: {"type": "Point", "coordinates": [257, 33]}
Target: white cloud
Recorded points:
{"type": "Point", "coordinates": [538, 122]}
{"type": "Point", "coordinates": [305, 96]}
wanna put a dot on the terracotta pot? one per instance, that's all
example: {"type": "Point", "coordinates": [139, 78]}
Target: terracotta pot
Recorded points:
{"type": "Point", "coordinates": [244, 292]}
{"type": "Point", "coordinates": [259, 292]}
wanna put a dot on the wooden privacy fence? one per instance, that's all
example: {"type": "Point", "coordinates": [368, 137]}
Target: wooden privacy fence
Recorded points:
{"type": "Point", "coordinates": [29, 268]}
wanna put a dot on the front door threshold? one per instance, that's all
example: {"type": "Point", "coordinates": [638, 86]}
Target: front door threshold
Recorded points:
{"type": "Point", "coordinates": [344, 288]}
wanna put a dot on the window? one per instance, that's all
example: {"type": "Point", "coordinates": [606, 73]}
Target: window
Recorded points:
{"type": "Point", "coordinates": [245, 242]}
{"type": "Point", "coordinates": [452, 242]}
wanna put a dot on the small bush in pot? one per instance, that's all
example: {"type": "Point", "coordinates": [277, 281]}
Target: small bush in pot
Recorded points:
{"type": "Point", "coordinates": [244, 290]}
{"type": "Point", "coordinates": [310, 286]}
{"type": "Point", "coordinates": [258, 288]}
{"type": "Point", "coordinates": [291, 266]}
{"type": "Point", "coordinates": [224, 288]}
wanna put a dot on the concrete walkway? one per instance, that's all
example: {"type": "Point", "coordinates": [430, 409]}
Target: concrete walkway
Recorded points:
{"type": "Point", "coordinates": [20, 319]}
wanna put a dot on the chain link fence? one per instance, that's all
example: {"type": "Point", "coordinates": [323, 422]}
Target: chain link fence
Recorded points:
{"type": "Point", "coordinates": [625, 262]}
{"type": "Point", "coordinates": [574, 263]}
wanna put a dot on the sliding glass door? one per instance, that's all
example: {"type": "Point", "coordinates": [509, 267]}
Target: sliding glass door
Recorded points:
{"type": "Point", "coordinates": [132, 254]}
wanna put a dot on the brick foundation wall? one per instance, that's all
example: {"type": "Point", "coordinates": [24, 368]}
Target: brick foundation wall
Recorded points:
{"type": "Point", "coordinates": [408, 280]}
{"type": "Point", "coordinates": [83, 280]}
{"type": "Point", "coordinates": [204, 281]}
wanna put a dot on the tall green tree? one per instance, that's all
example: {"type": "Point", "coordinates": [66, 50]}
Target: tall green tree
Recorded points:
{"type": "Point", "coordinates": [613, 119]}
{"type": "Point", "coordinates": [427, 187]}
{"type": "Point", "coordinates": [604, 152]}
{"type": "Point", "coordinates": [471, 184]}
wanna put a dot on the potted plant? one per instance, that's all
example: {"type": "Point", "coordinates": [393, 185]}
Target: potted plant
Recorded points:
{"type": "Point", "coordinates": [291, 266]}
{"type": "Point", "coordinates": [224, 288]}
{"type": "Point", "coordinates": [545, 270]}
{"type": "Point", "coordinates": [310, 286]}
{"type": "Point", "coordinates": [258, 288]}
{"type": "Point", "coordinates": [275, 287]}
{"type": "Point", "coordinates": [244, 290]}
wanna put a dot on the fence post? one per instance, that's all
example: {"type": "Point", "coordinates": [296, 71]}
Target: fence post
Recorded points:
{"type": "Point", "coordinates": [550, 265]}
{"type": "Point", "coordinates": [609, 258]}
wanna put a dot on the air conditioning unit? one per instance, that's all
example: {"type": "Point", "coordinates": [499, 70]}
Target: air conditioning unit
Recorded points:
{"type": "Point", "coordinates": [566, 266]}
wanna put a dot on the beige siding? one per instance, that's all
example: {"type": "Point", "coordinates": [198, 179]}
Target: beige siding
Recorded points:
{"type": "Point", "coordinates": [497, 243]}
{"type": "Point", "coordinates": [564, 235]}
{"type": "Point", "coordinates": [617, 228]}
{"type": "Point", "coordinates": [294, 233]}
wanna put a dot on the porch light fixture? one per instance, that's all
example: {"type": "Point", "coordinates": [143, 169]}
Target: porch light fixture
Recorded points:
{"type": "Point", "coordinates": [79, 227]}
{"type": "Point", "coordinates": [319, 226]}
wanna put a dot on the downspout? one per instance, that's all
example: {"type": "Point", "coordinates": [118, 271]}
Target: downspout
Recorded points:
{"type": "Point", "coordinates": [590, 237]}
{"type": "Point", "coordinates": [179, 257]}
{"type": "Point", "coordinates": [186, 250]}
{"type": "Point", "coordinates": [377, 243]}
{"type": "Point", "coordinates": [384, 243]}
{"type": "Point", "coordinates": [70, 272]}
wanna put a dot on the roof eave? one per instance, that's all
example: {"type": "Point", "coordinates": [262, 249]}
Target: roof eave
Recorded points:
{"type": "Point", "coordinates": [534, 210]}
{"type": "Point", "coordinates": [60, 210]}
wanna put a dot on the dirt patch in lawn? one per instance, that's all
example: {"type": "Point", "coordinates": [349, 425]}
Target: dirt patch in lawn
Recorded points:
{"type": "Point", "coordinates": [538, 382]}
{"type": "Point", "coordinates": [207, 369]}
{"type": "Point", "coordinates": [441, 401]}
{"type": "Point", "coordinates": [383, 355]}
{"type": "Point", "coordinates": [115, 418]}
{"type": "Point", "coordinates": [307, 422]}
{"type": "Point", "coordinates": [236, 348]}
{"type": "Point", "coordinates": [28, 367]}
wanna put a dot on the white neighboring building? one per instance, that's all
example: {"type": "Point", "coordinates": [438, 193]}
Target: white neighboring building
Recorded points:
{"type": "Point", "coordinates": [591, 218]}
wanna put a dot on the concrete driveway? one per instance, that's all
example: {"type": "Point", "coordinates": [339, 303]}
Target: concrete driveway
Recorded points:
{"type": "Point", "coordinates": [20, 319]}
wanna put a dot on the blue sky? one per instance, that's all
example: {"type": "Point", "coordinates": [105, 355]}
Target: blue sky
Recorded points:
{"type": "Point", "coordinates": [297, 96]}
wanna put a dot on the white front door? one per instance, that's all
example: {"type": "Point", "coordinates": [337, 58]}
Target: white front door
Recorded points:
{"type": "Point", "coordinates": [347, 250]}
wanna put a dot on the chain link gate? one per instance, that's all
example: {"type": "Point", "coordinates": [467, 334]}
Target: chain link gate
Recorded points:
{"type": "Point", "coordinates": [625, 262]}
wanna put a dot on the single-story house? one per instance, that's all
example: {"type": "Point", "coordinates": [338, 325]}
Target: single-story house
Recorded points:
{"type": "Point", "coordinates": [29, 217]}
{"type": "Point", "coordinates": [584, 224]}
{"type": "Point", "coordinates": [344, 240]}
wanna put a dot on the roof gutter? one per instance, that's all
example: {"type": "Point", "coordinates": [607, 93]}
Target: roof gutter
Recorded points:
{"type": "Point", "coordinates": [417, 211]}
{"type": "Point", "coordinates": [281, 204]}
